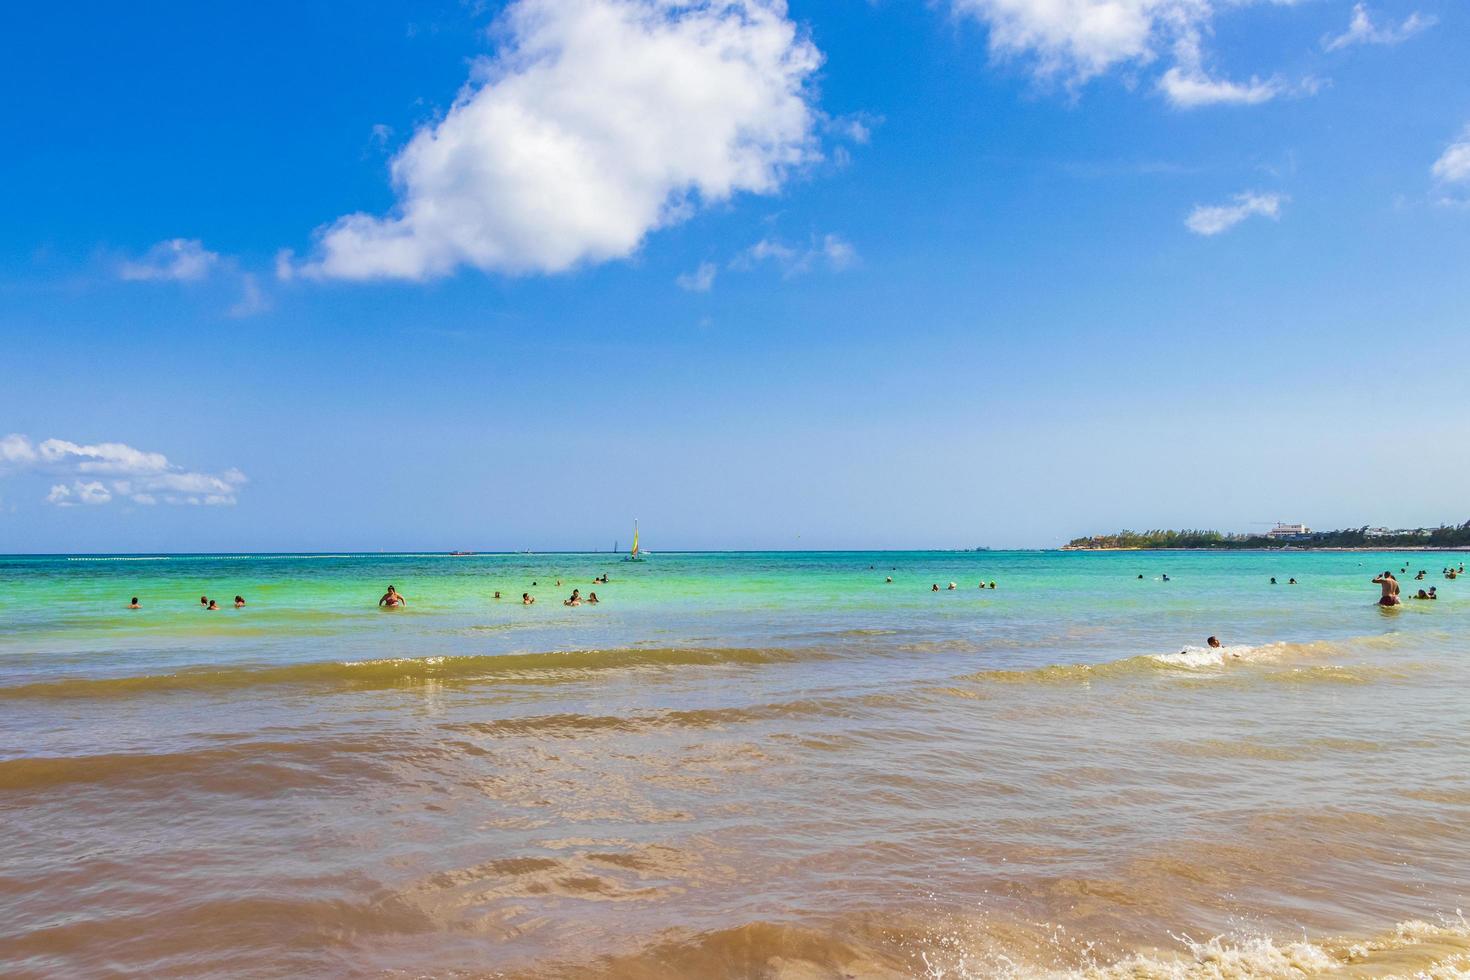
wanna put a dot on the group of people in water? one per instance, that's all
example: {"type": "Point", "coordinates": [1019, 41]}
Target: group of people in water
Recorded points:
{"type": "Point", "coordinates": [1390, 585]}
{"type": "Point", "coordinates": [205, 603]}
{"type": "Point", "coordinates": [575, 599]}
{"type": "Point", "coordinates": [393, 599]}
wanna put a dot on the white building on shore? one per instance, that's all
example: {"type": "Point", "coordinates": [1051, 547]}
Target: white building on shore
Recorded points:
{"type": "Point", "coordinates": [1289, 531]}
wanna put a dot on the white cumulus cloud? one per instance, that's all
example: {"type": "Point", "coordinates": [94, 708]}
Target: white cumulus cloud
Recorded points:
{"type": "Point", "coordinates": [1212, 219]}
{"type": "Point", "coordinates": [143, 477]}
{"type": "Point", "coordinates": [176, 259]}
{"type": "Point", "coordinates": [597, 122]}
{"type": "Point", "coordinates": [1077, 40]}
{"type": "Point", "coordinates": [1362, 30]}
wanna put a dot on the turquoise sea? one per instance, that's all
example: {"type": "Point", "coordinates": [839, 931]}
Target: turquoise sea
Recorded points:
{"type": "Point", "coordinates": [763, 764]}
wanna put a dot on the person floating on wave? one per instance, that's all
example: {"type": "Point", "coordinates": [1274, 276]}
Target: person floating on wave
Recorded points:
{"type": "Point", "coordinates": [1214, 643]}
{"type": "Point", "coordinates": [239, 602]}
{"type": "Point", "coordinates": [134, 604]}
{"type": "Point", "coordinates": [1390, 596]}
{"type": "Point", "coordinates": [392, 599]}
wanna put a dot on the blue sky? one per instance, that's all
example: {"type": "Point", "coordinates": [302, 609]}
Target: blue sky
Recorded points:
{"type": "Point", "coordinates": [1000, 272]}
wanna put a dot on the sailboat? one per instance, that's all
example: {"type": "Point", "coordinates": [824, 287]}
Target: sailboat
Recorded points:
{"type": "Point", "coordinates": [634, 555]}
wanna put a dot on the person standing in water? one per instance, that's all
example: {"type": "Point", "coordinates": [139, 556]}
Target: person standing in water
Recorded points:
{"type": "Point", "coordinates": [392, 599]}
{"type": "Point", "coordinates": [1390, 596]}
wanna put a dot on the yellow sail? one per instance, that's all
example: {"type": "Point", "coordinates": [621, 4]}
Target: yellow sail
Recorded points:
{"type": "Point", "coordinates": [635, 539]}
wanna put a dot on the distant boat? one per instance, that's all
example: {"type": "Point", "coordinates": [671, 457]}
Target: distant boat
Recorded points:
{"type": "Point", "coordinates": [461, 554]}
{"type": "Point", "coordinates": [634, 555]}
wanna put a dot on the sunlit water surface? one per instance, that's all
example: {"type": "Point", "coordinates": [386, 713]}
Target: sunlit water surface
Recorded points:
{"type": "Point", "coordinates": [759, 765]}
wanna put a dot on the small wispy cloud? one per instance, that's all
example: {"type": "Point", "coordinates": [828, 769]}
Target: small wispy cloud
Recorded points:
{"type": "Point", "coordinates": [830, 251]}
{"type": "Point", "coordinates": [1452, 172]}
{"type": "Point", "coordinates": [1212, 219]}
{"type": "Point", "coordinates": [700, 280]}
{"type": "Point", "coordinates": [1453, 165]}
{"type": "Point", "coordinates": [1191, 89]}
{"type": "Point", "coordinates": [1189, 85]}
{"type": "Point", "coordinates": [97, 473]}
{"type": "Point", "coordinates": [172, 260]}
{"type": "Point", "coordinates": [252, 299]}
{"type": "Point", "coordinates": [186, 260]}
{"type": "Point", "coordinates": [1362, 30]}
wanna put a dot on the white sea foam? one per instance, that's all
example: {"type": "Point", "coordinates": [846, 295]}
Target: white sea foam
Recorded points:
{"type": "Point", "coordinates": [1196, 657]}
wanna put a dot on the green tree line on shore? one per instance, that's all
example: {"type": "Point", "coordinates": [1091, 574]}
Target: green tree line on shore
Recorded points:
{"type": "Point", "coordinates": [1444, 536]}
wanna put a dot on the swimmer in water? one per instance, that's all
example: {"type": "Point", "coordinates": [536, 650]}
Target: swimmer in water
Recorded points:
{"type": "Point", "coordinates": [1214, 643]}
{"type": "Point", "coordinates": [239, 602]}
{"type": "Point", "coordinates": [1140, 578]}
{"type": "Point", "coordinates": [934, 587]}
{"type": "Point", "coordinates": [1165, 578]}
{"type": "Point", "coordinates": [889, 579]}
{"type": "Point", "coordinates": [1421, 594]}
{"type": "Point", "coordinates": [992, 583]}
{"type": "Point", "coordinates": [497, 594]}
{"type": "Point", "coordinates": [392, 599]}
{"type": "Point", "coordinates": [204, 602]}
{"type": "Point", "coordinates": [527, 598]}
{"type": "Point", "coordinates": [592, 599]}
{"type": "Point", "coordinates": [212, 606]}
{"type": "Point", "coordinates": [574, 600]}
{"type": "Point", "coordinates": [1273, 579]}
{"type": "Point", "coordinates": [1432, 593]}
{"type": "Point", "coordinates": [1390, 596]}
{"type": "Point", "coordinates": [134, 604]}
{"type": "Point", "coordinates": [951, 587]}
{"type": "Point", "coordinates": [1291, 581]}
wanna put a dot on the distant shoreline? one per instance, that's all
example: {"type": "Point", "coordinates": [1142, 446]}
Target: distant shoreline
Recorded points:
{"type": "Point", "coordinates": [1272, 551]}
